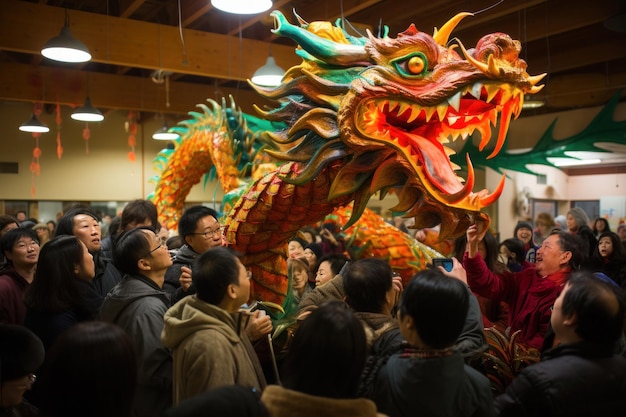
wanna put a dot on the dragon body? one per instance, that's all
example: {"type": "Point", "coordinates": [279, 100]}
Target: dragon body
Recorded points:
{"type": "Point", "coordinates": [360, 116]}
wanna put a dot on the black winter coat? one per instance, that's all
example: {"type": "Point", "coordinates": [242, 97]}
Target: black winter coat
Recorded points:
{"type": "Point", "coordinates": [580, 379]}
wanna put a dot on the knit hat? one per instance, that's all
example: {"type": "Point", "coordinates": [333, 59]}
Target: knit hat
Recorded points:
{"type": "Point", "coordinates": [21, 352]}
{"type": "Point", "coordinates": [316, 248]}
{"type": "Point", "coordinates": [522, 225]}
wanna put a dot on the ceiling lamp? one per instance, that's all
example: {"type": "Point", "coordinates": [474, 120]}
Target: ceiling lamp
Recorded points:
{"type": "Point", "coordinates": [87, 113]}
{"type": "Point", "coordinates": [564, 162]}
{"type": "Point", "coordinates": [242, 6]}
{"type": "Point", "coordinates": [65, 47]}
{"type": "Point", "coordinates": [34, 125]}
{"type": "Point", "coordinates": [164, 134]}
{"type": "Point", "coordinates": [269, 75]}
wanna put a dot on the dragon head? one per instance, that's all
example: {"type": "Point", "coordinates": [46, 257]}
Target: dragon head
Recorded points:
{"type": "Point", "coordinates": [391, 110]}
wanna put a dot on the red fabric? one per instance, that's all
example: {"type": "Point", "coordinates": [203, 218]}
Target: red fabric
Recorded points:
{"type": "Point", "coordinates": [12, 288]}
{"type": "Point", "coordinates": [530, 297]}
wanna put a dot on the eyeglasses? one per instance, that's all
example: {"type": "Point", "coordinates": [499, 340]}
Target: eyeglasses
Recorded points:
{"type": "Point", "coordinates": [153, 250]}
{"type": "Point", "coordinates": [20, 382]}
{"type": "Point", "coordinates": [210, 233]}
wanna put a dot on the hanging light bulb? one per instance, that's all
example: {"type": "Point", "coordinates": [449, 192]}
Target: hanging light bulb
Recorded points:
{"type": "Point", "coordinates": [164, 134]}
{"type": "Point", "coordinates": [242, 6]}
{"type": "Point", "coordinates": [87, 113]}
{"type": "Point", "coordinates": [269, 75]}
{"type": "Point", "coordinates": [65, 47]}
{"type": "Point", "coordinates": [34, 125]}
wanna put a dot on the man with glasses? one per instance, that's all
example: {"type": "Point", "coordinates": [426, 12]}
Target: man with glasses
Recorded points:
{"type": "Point", "coordinates": [21, 354]}
{"type": "Point", "coordinates": [201, 231]}
{"type": "Point", "coordinates": [137, 304]}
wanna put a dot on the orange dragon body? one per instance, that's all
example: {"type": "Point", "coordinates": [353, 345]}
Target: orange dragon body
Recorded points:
{"type": "Point", "coordinates": [360, 116]}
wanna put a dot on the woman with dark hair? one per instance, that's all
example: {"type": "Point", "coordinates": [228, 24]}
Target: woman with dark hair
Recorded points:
{"type": "Point", "coordinates": [609, 258]}
{"type": "Point", "coordinates": [90, 370]}
{"type": "Point", "coordinates": [431, 377]}
{"type": "Point", "coordinates": [21, 248]}
{"type": "Point", "coordinates": [61, 294]}
{"type": "Point", "coordinates": [524, 232]}
{"type": "Point", "coordinates": [84, 223]}
{"type": "Point", "coordinates": [600, 225]}
{"type": "Point", "coordinates": [138, 305]}
{"type": "Point", "coordinates": [513, 255]}
{"type": "Point", "coordinates": [327, 386]}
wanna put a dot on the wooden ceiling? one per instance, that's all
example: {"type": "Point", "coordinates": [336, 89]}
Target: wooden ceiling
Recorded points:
{"type": "Point", "coordinates": [581, 44]}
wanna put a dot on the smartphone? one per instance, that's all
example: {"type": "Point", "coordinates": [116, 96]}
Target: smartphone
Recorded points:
{"type": "Point", "coordinates": [445, 262]}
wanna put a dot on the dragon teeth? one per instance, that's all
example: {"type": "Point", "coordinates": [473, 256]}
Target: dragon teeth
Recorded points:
{"type": "Point", "coordinates": [453, 119]}
{"type": "Point", "coordinates": [476, 90]}
{"type": "Point", "coordinates": [413, 115]}
{"type": "Point", "coordinates": [403, 107]}
{"type": "Point", "coordinates": [492, 91]}
{"type": "Point", "coordinates": [455, 101]}
{"type": "Point", "coordinates": [441, 111]}
{"type": "Point", "coordinates": [429, 113]}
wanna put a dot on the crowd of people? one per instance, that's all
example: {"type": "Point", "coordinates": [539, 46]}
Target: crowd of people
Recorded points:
{"type": "Point", "coordinates": [141, 323]}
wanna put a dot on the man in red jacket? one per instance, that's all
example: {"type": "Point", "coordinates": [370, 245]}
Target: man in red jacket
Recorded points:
{"type": "Point", "coordinates": [531, 292]}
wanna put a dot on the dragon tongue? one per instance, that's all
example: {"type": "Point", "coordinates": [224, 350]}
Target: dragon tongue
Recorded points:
{"type": "Point", "coordinates": [436, 165]}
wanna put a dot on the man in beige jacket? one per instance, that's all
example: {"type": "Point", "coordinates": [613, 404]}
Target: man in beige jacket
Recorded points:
{"type": "Point", "coordinates": [206, 333]}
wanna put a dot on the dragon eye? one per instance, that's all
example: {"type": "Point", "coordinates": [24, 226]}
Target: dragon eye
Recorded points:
{"type": "Point", "coordinates": [415, 65]}
{"type": "Point", "coordinates": [412, 65]}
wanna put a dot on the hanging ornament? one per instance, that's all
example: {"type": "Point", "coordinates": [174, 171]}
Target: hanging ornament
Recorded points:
{"type": "Point", "coordinates": [131, 129]}
{"type": "Point", "coordinates": [35, 167]}
{"type": "Point", "coordinates": [58, 121]}
{"type": "Point", "coordinates": [86, 136]}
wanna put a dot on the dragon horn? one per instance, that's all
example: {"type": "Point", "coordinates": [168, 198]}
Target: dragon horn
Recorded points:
{"type": "Point", "coordinates": [442, 35]}
{"type": "Point", "coordinates": [533, 80]}
{"type": "Point", "coordinates": [333, 53]}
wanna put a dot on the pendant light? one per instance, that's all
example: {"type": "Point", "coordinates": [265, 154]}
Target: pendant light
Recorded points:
{"type": "Point", "coordinates": [269, 75]}
{"type": "Point", "coordinates": [65, 47]}
{"type": "Point", "coordinates": [34, 125]}
{"type": "Point", "coordinates": [164, 134]}
{"type": "Point", "coordinates": [242, 6]}
{"type": "Point", "coordinates": [87, 113]}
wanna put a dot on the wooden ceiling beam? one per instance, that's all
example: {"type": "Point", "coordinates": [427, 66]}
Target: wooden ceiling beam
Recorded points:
{"type": "Point", "coordinates": [138, 44]}
{"type": "Point", "coordinates": [129, 7]}
{"type": "Point", "coordinates": [21, 82]}
{"type": "Point", "coordinates": [545, 20]}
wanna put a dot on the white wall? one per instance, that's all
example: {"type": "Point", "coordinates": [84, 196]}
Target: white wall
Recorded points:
{"type": "Point", "coordinates": [104, 174]}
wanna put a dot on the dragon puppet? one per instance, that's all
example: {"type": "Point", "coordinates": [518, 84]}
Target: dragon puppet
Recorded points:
{"type": "Point", "coordinates": [359, 116]}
